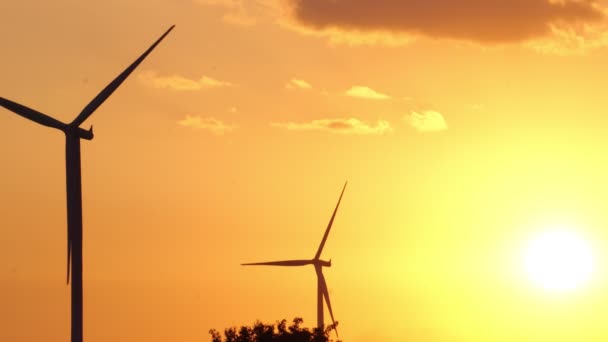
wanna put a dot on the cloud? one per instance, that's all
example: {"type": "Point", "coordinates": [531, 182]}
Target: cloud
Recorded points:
{"type": "Point", "coordinates": [427, 121]}
{"type": "Point", "coordinates": [338, 36]}
{"type": "Point", "coordinates": [245, 12]}
{"type": "Point", "coordinates": [210, 124]}
{"type": "Point", "coordinates": [483, 21]}
{"type": "Point", "coordinates": [236, 12]}
{"type": "Point", "coordinates": [295, 83]}
{"type": "Point", "coordinates": [572, 39]}
{"type": "Point", "coordinates": [366, 93]}
{"type": "Point", "coordinates": [339, 126]}
{"type": "Point", "coordinates": [179, 83]}
{"type": "Point", "coordinates": [208, 82]}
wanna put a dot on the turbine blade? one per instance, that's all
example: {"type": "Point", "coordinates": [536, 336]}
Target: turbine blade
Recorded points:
{"type": "Point", "coordinates": [281, 263]}
{"type": "Point", "coordinates": [31, 114]}
{"type": "Point", "coordinates": [331, 221]}
{"type": "Point", "coordinates": [326, 295]}
{"type": "Point", "coordinates": [110, 88]}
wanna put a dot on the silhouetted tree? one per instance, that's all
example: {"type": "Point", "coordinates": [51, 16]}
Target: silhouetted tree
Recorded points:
{"type": "Point", "coordinates": [261, 332]}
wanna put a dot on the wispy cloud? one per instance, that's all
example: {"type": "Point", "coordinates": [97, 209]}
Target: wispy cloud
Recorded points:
{"type": "Point", "coordinates": [338, 126]}
{"type": "Point", "coordinates": [427, 121]}
{"type": "Point", "coordinates": [236, 12]}
{"type": "Point", "coordinates": [211, 124]}
{"type": "Point", "coordinates": [180, 83]}
{"type": "Point", "coordinates": [366, 93]}
{"type": "Point", "coordinates": [295, 83]}
{"type": "Point", "coordinates": [244, 12]}
{"type": "Point", "coordinates": [571, 39]}
{"type": "Point", "coordinates": [338, 36]}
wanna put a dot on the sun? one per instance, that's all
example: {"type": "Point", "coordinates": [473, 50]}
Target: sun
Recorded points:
{"type": "Point", "coordinates": [558, 260]}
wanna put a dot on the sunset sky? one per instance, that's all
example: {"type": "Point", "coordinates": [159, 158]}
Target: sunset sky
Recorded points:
{"type": "Point", "coordinates": [464, 128]}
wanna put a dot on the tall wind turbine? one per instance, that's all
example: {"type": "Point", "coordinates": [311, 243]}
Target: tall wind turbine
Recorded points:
{"type": "Point", "coordinates": [73, 134]}
{"type": "Point", "coordinates": [318, 264]}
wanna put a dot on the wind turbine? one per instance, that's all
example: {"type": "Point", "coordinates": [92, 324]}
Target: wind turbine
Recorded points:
{"type": "Point", "coordinates": [73, 134]}
{"type": "Point", "coordinates": [318, 264]}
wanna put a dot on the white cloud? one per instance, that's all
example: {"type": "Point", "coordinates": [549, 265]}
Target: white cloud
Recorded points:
{"type": "Point", "coordinates": [427, 121]}
{"type": "Point", "coordinates": [209, 124]}
{"type": "Point", "coordinates": [338, 126]}
{"type": "Point", "coordinates": [180, 83]}
{"type": "Point", "coordinates": [366, 93]}
{"type": "Point", "coordinates": [295, 83]}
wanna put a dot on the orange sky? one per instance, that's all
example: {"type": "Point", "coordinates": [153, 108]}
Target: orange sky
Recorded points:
{"type": "Point", "coordinates": [463, 127]}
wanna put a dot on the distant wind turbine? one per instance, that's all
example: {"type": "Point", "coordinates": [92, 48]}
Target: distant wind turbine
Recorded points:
{"type": "Point", "coordinates": [322, 291]}
{"type": "Point", "coordinates": [73, 134]}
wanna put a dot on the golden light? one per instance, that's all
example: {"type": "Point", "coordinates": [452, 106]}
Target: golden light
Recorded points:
{"type": "Point", "coordinates": [558, 260]}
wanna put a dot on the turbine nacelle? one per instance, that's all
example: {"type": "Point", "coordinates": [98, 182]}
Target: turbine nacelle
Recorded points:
{"type": "Point", "coordinates": [325, 263]}
{"type": "Point", "coordinates": [80, 132]}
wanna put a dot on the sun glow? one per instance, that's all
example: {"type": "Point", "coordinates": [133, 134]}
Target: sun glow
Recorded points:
{"type": "Point", "coordinates": [558, 260]}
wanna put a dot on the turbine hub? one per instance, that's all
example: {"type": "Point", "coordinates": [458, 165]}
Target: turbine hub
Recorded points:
{"type": "Point", "coordinates": [80, 132]}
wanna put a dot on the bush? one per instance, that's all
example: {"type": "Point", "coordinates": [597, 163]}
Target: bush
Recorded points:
{"type": "Point", "coordinates": [261, 332]}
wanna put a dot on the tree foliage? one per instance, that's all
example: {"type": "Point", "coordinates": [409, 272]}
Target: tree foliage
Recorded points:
{"type": "Point", "coordinates": [280, 332]}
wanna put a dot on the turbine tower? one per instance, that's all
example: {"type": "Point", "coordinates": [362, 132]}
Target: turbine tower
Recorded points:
{"type": "Point", "coordinates": [73, 133]}
{"type": "Point", "coordinates": [318, 264]}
